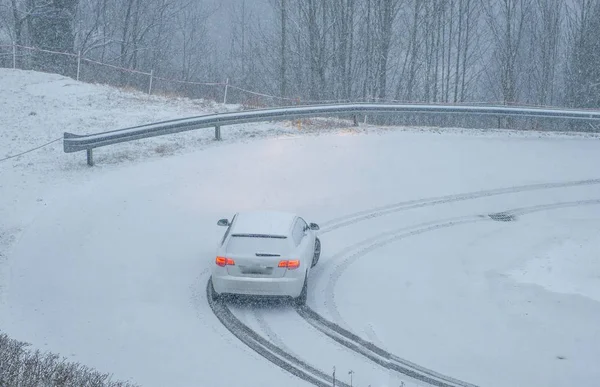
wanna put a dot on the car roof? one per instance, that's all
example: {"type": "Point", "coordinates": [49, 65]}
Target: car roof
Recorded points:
{"type": "Point", "coordinates": [263, 223]}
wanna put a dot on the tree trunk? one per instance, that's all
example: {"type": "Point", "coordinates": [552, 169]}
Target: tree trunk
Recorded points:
{"type": "Point", "coordinates": [282, 70]}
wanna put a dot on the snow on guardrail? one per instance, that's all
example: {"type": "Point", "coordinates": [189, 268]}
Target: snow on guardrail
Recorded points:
{"type": "Point", "coordinates": [76, 143]}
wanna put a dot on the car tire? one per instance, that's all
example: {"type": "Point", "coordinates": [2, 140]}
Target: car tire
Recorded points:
{"type": "Point", "coordinates": [213, 294]}
{"type": "Point", "coordinates": [301, 299]}
{"type": "Point", "coordinates": [317, 253]}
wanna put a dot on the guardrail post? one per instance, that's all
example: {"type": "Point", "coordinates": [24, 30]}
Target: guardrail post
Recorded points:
{"type": "Point", "coordinates": [217, 133]}
{"type": "Point", "coordinates": [355, 120]}
{"type": "Point", "coordinates": [14, 47]}
{"type": "Point", "coordinates": [90, 158]}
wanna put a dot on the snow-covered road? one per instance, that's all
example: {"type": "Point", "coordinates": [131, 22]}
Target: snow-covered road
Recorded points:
{"type": "Point", "coordinates": [117, 269]}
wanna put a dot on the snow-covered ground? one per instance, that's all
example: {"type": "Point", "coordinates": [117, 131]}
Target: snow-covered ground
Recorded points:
{"type": "Point", "coordinates": [108, 265]}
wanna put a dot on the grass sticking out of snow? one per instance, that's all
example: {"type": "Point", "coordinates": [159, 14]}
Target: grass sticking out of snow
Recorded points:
{"type": "Point", "coordinates": [20, 366]}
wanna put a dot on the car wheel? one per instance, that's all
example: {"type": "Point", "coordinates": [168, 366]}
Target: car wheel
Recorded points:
{"type": "Point", "coordinates": [301, 299]}
{"type": "Point", "coordinates": [317, 253]}
{"type": "Point", "coordinates": [213, 294]}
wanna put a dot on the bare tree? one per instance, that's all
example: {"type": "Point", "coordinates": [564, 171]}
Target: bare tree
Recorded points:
{"type": "Point", "coordinates": [317, 19]}
{"type": "Point", "coordinates": [471, 12]}
{"type": "Point", "coordinates": [91, 23]}
{"type": "Point", "coordinates": [506, 20]}
{"type": "Point", "coordinates": [411, 57]}
{"type": "Point", "coordinates": [368, 49]}
{"type": "Point", "coordinates": [583, 74]}
{"type": "Point", "coordinates": [343, 46]}
{"type": "Point", "coordinates": [386, 12]}
{"type": "Point", "coordinates": [283, 48]}
{"type": "Point", "coordinates": [416, 50]}
{"type": "Point", "coordinates": [191, 28]}
{"type": "Point", "coordinates": [547, 35]}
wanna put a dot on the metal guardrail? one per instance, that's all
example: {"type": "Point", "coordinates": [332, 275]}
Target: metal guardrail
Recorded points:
{"type": "Point", "coordinates": [76, 143]}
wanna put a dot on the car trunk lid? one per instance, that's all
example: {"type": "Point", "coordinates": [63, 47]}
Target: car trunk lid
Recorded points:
{"type": "Point", "coordinates": [257, 256]}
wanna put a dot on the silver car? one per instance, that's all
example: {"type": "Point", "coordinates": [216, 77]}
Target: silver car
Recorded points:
{"type": "Point", "coordinates": [265, 253]}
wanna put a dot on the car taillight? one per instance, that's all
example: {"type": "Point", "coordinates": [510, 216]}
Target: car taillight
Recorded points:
{"type": "Point", "coordinates": [223, 261]}
{"type": "Point", "coordinates": [293, 264]}
{"type": "Point", "coordinates": [290, 264]}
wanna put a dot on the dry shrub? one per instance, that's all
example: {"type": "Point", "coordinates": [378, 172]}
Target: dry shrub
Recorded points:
{"type": "Point", "coordinates": [167, 94]}
{"type": "Point", "coordinates": [204, 103]}
{"type": "Point", "coordinates": [20, 367]}
{"type": "Point", "coordinates": [321, 124]}
{"type": "Point", "coordinates": [128, 89]}
{"type": "Point", "coordinates": [163, 149]}
{"type": "Point", "coordinates": [254, 102]}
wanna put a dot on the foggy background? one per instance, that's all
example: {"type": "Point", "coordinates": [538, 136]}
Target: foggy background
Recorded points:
{"type": "Point", "coordinates": [535, 52]}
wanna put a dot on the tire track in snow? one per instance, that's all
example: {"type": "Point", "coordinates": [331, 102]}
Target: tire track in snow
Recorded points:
{"type": "Point", "coordinates": [552, 206]}
{"type": "Point", "coordinates": [362, 248]}
{"type": "Point", "coordinates": [297, 367]}
{"type": "Point", "coordinates": [350, 219]}
{"type": "Point", "coordinates": [375, 353]}
{"type": "Point", "coordinates": [353, 218]}
{"type": "Point", "coordinates": [360, 216]}
{"type": "Point", "coordinates": [266, 328]}
{"type": "Point", "coordinates": [265, 348]}
{"type": "Point", "coordinates": [368, 349]}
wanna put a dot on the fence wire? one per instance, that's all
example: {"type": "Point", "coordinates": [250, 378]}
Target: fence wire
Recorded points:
{"type": "Point", "coordinates": [30, 150]}
{"type": "Point", "coordinates": [90, 70]}
{"type": "Point", "coordinates": [85, 69]}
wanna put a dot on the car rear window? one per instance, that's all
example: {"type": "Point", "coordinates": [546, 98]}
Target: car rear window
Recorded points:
{"type": "Point", "coordinates": [252, 244]}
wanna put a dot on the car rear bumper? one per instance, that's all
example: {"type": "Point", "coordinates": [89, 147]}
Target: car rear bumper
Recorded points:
{"type": "Point", "coordinates": [286, 287]}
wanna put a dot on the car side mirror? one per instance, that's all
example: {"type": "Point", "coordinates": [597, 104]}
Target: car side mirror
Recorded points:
{"type": "Point", "coordinates": [314, 226]}
{"type": "Point", "coordinates": [223, 222]}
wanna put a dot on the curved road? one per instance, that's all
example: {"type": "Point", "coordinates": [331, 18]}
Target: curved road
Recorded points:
{"type": "Point", "coordinates": [284, 359]}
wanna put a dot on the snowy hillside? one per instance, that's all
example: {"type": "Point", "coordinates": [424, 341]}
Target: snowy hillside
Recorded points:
{"type": "Point", "coordinates": [108, 265]}
{"type": "Point", "coordinates": [36, 108]}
